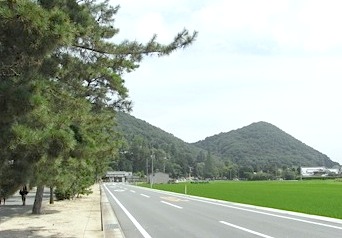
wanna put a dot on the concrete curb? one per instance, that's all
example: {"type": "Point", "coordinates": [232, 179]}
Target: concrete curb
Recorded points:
{"type": "Point", "coordinates": [93, 225]}
{"type": "Point", "coordinates": [110, 224]}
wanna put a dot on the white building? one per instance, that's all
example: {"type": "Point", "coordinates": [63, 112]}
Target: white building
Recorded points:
{"type": "Point", "coordinates": [159, 177]}
{"type": "Point", "coordinates": [334, 171]}
{"type": "Point", "coordinates": [318, 171]}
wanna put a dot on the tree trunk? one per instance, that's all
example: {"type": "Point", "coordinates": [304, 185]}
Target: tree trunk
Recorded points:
{"type": "Point", "coordinates": [51, 195]}
{"type": "Point", "coordinates": [37, 205]}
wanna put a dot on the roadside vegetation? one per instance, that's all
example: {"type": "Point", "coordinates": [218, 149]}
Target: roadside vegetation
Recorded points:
{"type": "Point", "coordinates": [61, 84]}
{"type": "Point", "coordinates": [316, 197]}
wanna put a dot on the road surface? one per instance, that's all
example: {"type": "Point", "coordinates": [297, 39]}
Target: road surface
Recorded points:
{"type": "Point", "coordinates": [147, 213]}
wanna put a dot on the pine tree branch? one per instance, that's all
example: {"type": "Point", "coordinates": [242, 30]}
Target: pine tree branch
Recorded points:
{"type": "Point", "coordinates": [182, 40]}
{"type": "Point", "coordinates": [118, 53]}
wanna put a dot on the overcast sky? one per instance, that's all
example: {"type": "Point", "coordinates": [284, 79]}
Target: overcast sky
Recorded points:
{"type": "Point", "coordinates": [274, 61]}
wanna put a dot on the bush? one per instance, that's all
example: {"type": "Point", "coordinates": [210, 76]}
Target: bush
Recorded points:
{"type": "Point", "coordinates": [62, 194]}
{"type": "Point", "coordinates": [70, 193]}
{"type": "Point", "coordinates": [260, 176]}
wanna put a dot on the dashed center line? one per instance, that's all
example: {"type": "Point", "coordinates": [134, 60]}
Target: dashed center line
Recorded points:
{"type": "Point", "coordinates": [132, 191]}
{"type": "Point", "coordinates": [245, 229]}
{"type": "Point", "coordinates": [144, 195]}
{"type": "Point", "coordinates": [170, 204]}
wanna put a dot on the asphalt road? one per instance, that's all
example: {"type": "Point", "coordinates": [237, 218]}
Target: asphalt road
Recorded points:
{"type": "Point", "coordinates": [151, 213]}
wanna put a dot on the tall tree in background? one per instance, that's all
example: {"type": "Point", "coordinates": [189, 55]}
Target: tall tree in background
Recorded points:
{"type": "Point", "coordinates": [60, 84]}
{"type": "Point", "coordinates": [209, 170]}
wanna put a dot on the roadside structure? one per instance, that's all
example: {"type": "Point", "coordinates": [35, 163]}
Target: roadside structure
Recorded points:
{"type": "Point", "coordinates": [117, 176]}
{"type": "Point", "coordinates": [158, 177]}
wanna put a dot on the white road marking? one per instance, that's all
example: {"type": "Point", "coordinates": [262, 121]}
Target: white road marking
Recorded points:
{"type": "Point", "coordinates": [129, 215]}
{"type": "Point", "coordinates": [144, 195]}
{"type": "Point", "coordinates": [170, 204]}
{"type": "Point", "coordinates": [221, 203]}
{"type": "Point", "coordinates": [119, 190]}
{"type": "Point", "coordinates": [259, 211]}
{"type": "Point", "coordinates": [245, 229]}
{"type": "Point", "coordinates": [132, 191]}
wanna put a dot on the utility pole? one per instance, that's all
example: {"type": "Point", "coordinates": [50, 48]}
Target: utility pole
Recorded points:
{"type": "Point", "coordinates": [165, 158]}
{"type": "Point", "coordinates": [147, 170]}
{"type": "Point", "coordinates": [152, 172]}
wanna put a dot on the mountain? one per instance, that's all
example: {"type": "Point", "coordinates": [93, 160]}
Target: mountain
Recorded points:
{"type": "Point", "coordinates": [262, 144]}
{"type": "Point", "coordinates": [131, 127]}
{"type": "Point", "coordinates": [142, 140]}
{"type": "Point", "coordinates": [259, 147]}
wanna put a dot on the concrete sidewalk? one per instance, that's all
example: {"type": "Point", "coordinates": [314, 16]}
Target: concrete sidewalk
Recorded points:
{"type": "Point", "coordinates": [81, 217]}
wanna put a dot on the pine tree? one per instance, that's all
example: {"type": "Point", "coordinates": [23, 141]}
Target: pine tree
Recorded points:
{"type": "Point", "coordinates": [60, 85]}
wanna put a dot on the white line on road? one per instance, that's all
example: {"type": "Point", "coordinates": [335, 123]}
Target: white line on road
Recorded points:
{"type": "Point", "coordinates": [222, 203]}
{"type": "Point", "coordinates": [132, 191]}
{"type": "Point", "coordinates": [245, 229]}
{"type": "Point", "coordinates": [144, 195]}
{"type": "Point", "coordinates": [129, 215]}
{"type": "Point", "coordinates": [170, 204]}
{"type": "Point", "coordinates": [256, 211]}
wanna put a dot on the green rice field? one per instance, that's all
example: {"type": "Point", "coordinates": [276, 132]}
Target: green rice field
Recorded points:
{"type": "Point", "coordinates": [322, 197]}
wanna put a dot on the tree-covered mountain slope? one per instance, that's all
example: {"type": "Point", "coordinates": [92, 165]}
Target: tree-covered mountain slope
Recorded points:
{"type": "Point", "coordinates": [132, 127]}
{"type": "Point", "coordinates": [259, 147]}
{"type": "Point", "coordinates": [262, 144]}
{"type": "Point", "coordinates": [142, 140]}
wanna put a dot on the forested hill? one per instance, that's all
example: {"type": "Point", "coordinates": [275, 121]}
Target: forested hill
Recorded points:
{"type": "Point", "coordinates": [132, 128]}
{"type": "Point", "coordinates": [142, 139]}
{"type": "Point", "coordinates": [238, 153]}
{"type": "Point", "coordinates": [262, 144]}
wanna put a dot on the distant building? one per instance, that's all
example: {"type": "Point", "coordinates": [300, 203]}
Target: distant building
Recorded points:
{"type": "Point", "coordinates": [313, 171]}
{"type": "Point", "coordinates": [334, 171]}
{"type": "Point", "coordinates": [318, 171]}
{"type": "Point", "coordinates": [117, 176]}
{"type": "Point", "coordinates": [159, 177]}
